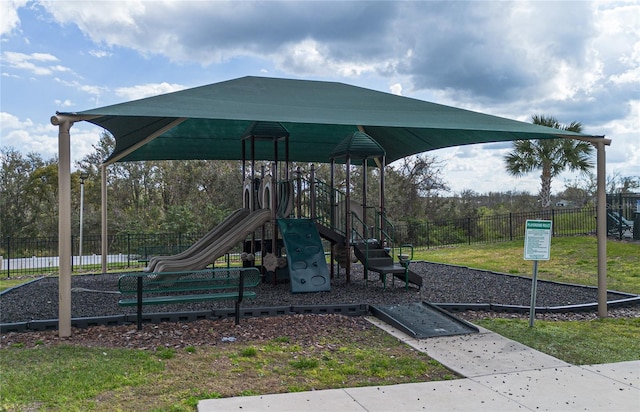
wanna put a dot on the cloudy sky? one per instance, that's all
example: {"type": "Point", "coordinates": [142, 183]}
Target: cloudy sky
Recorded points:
{"type": "Point", "coordinates": [574, 60]}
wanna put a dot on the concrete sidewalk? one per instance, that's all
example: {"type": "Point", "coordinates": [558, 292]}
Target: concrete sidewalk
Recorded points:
{"type": "Point", "coordinates": [500, 375]}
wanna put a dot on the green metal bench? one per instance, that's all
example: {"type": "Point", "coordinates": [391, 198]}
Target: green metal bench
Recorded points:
{"type": "Point", "coordinates": [140, 289]}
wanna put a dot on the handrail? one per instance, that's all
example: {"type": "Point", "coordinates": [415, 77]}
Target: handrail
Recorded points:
{"type": "Point", "coordinates": [401, 256]}
{"type": "Point", "coordinates": [325, 201]}
{"type": "Point", "coordinates": [359, 236]}
{"type": "Point", "coordinates": [386, 231]}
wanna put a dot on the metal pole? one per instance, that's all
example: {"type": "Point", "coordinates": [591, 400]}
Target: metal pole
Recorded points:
{"type": "Point", "coordinates": [364, 200]}
{"type": "Point", "coordinates": [64, 224]}
{"type": "Point", "coordinates": [347, 216]}
{"type": "Point", "coordinates": [534, 290]}
{"type": "Point", "coordinates": [382, 188]}
{"type": "Point", "coordinates": [83, 177]}
{"type": "Point", "coordinates": [601, 231]}
{"type": "Point", "coordinates": [104, 241]}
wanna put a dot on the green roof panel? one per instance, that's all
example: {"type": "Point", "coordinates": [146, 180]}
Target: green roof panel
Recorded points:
{"type": "Point", "coordinates": [208, 122]}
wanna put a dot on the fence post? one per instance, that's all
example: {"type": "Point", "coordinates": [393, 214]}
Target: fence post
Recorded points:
{"type": "Point", "coordinates": [8, 257]}
{"type": "Point", "coordinates": [128, 250]}
{"type": "Point", "coordinates": [553, 225]}
{"type": "Point", "coordinates": [72, 253]}
{"type": "Point", "coordinates": [427, 234]}
{"type": "Point", "coordinates": [510, 226]}
{"type": "Point", "coordinates": [469, 229]}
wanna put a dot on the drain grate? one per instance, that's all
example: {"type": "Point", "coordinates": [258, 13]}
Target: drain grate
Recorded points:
{"type": "Point", "coordinates": [422, 320]}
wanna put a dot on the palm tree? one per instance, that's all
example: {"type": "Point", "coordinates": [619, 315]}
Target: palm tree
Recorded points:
{"type": "Point", "coordinates": [551, 156]}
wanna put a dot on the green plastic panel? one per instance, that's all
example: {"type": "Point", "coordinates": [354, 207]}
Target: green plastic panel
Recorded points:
{"type": "Point", "coordinates": [308, 268]}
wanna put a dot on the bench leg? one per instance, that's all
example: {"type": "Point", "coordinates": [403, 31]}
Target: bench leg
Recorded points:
{"type": "Point", "coordinates": [406, 277]}
{"type": "Point", "coordinates": [237, 312]}
{"type": "Point", "coordinates": [139, 312]}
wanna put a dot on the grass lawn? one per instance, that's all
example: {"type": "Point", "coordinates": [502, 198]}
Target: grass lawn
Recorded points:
{"type": "Point", "coordinates": [577, 342]}
{"type": "Point", "coordinates": [71, 378]}
{"type": "Point", "coordinates": [573, 260]}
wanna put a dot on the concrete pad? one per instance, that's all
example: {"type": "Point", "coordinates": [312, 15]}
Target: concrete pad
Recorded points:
{"type": "Point", "coordinates": [569, 388]}
{"type": "Point", "coordinates": [331, 400]}
{"type": "Point", "coordinates": [456, 395]}
{"type": "Point", "coordinates": [625, 372]}
{"type": "Point", "coordinates": [477, 354]}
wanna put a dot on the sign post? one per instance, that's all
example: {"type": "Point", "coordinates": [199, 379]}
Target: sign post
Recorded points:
{"type": "Point", "coordinates": [537, 245]}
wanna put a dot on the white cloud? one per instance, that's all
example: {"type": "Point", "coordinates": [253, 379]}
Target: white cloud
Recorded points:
{"type": "Point", "coordinates": [104, 21]}
{"type": "Point", "coordinates": [63, 103]}
{"type": "Point", "coordinates": [572, 60]}
{"type": "Point", "coordinates": [311, 57]}
{"type": "Point", "coordinates": [42, 138]}
{"type": "Point", "coordinates": [624, 153]}
{"type": "Point", "coordinates": [35, 63]}
{"type": "Point", "coordinates": [145, 90]}
{"type": "Point", "coordinates": [9, 19]}
{"type": "Point", "coordinates": [100, 53]}
{"type": "Point", "coordinates": [396, 89]}
{"type": "Point", "coordinates": [9, 122]}
{"type": "Point", "coordinates": [27, 135]}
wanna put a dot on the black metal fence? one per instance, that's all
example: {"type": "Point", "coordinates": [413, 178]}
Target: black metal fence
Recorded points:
{"type": "Point", "coordinates": [21, 256]}
{"type": "Point", "coordinates": [491, 229]}
{"type": "Point", "coordinates": [623, 215]}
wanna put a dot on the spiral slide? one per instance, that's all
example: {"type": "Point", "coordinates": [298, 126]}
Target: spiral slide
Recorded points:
{"type": "Point", "coordinates": [206, 240]}
{"type": "Point", "coordinates": [218, 245]}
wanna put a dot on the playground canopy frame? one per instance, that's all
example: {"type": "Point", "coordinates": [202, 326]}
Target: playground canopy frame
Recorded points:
{"type": "Point", "coordinates": [208, 122]}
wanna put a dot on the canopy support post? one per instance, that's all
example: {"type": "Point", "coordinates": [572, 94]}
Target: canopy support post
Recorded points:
{"type": "Point", "coordinates": [347, 216]}
{"type": "Point", "coordinates": [380, 162]}
{"type": "Point", "coordinates": [365, 233]}
{"type": "Point", "coordinates": [104, 244]}
{"type": "Point", "coordinates": [64, 223]}
{"type": "Point", "coordinates": [601, 229]}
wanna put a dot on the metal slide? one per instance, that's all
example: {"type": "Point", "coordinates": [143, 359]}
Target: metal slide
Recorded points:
{"type": "Point", "coordinates": [231, 221]}
{"type": "Point", "coordinates": [225, 242]}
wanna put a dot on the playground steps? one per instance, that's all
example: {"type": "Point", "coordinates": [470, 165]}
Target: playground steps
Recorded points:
{"type": "Point", "coordinates": [329, 234]}
{"type": "Point", "coordinates": [337, 240]}
{"type": "Point", "coordinates": [377, 259]}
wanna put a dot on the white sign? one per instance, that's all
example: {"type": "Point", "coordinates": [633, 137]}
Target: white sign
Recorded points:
{"type": "Point", "coordinates": [537, 240]}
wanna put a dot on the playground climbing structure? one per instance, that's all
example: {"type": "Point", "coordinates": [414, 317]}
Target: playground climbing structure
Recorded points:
{"type": "Point", "coordinates": [286, 214]}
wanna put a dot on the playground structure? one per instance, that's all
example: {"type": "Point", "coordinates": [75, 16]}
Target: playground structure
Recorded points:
{"type": "Point", "coordinates": [286, 213]}
{"type": "Point", "coordinates": [207, 122]}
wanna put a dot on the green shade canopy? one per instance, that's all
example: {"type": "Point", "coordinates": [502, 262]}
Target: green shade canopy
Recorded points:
{"type": "Point", "coordinates": [358, 145]}
{"type": "Point", "coordinates": [208, 122]}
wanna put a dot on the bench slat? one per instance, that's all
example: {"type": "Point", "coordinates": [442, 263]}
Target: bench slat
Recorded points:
{"type": "Point", "coordinates": [187, 281]}
{"type": "Point", "coordinates": [157, 300]}
{"type": "Point", "coordinates": [185, 285]}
